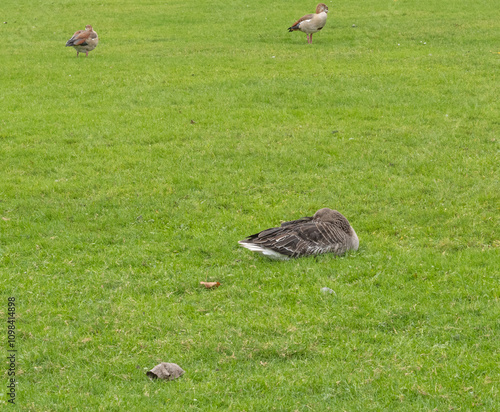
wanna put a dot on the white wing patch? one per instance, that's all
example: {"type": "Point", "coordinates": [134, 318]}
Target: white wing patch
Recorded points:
{"type": "Point", "coordinates": [264, 251]}
{"type": "Point", "coordinates": [303, 21]}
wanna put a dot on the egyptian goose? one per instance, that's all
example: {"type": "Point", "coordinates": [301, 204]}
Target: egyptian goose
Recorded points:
{"type": "Point", "coordinates": [311, 23]}
{"type": "Point", "coordinates": [84, 40]}
{"type": "Point", "coordinates": [328, 231]}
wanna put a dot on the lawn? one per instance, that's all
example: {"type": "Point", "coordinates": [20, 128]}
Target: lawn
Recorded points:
{"type": "Point", "coordinates": [127, 177]}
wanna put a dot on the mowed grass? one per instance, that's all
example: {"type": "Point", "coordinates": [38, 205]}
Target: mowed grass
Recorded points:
{"type": "Point", "coordinates": [129, 176]}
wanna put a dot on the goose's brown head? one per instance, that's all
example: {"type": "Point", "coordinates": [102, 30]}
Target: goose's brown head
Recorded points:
{"type": "Point", "coordinates": [321, 7]}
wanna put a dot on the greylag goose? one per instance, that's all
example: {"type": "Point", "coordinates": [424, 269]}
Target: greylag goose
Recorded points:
{"type": "Point", "coordinates": [311, 23]}
{"type": "Point", "coordinates": [84, 40]}
{"type": "Point", "coordinates": [328, 231]}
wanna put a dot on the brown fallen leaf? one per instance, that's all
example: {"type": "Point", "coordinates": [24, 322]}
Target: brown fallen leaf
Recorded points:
{"type": "Point", "coordinates": [210, 285]}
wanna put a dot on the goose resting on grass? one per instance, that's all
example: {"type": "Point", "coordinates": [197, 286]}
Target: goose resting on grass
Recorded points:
{"type": "Point", "coordinates": [328, 231]}
{"type": "Point", "coordinates": [84, 40]}
{"type": "Point", "coordinates": [311, 23]}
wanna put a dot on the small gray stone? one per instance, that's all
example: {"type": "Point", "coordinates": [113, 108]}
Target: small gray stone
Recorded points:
{"type": "Point", "coordinates": [167, 371]}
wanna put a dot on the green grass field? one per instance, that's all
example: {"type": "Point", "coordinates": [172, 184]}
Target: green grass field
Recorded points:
{"type": "Point", "coordinates": [129, 176]}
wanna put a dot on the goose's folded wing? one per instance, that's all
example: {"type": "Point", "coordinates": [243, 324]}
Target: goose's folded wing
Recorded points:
{"type": "Point", "coordinates": [269, 233]}
{"type": "Point", "coordinates": [325, 234]}
{"type": "Point", "coordinates": [278, 239]}
{"type": "Point", "coordinates": [297, 223]}
{"type": "Point", "coordinates": [285, 242]}
{"type": "Point", "coordinates": [80, 38]}
{"type": "Point", "coordinates": [303, 18]}
{"type": "Point", "coordinates": [295, 25]}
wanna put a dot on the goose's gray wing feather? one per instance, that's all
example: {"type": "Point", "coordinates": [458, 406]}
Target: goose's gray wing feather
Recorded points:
{"type": "Point", "coordinates": [298, 222]}
{"type": "Point", "coordinates": [329, 238]}
{"type": "Point", "coordinates": [280, 240]}
{"type": "Point", "coordinates": [285, 241]}
{"type": "Point", "coordinates": [269, 233]}
{"type": "Point", "coordinates": [290, 239]}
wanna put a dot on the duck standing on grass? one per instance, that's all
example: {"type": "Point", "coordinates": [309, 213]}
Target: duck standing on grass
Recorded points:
{"type": "Point", "coordinates": [84, 40]}
{"type": "Point", "coordinates": [311, 23]}
{"type": "Point", "coordinates": [328, 231]}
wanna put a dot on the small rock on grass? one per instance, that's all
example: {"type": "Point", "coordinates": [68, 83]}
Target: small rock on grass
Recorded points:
{"type": "Point", "coordinates": [166, 371]}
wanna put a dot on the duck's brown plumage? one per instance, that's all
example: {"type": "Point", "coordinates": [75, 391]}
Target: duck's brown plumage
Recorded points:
{"type": "Point", "coordinates": [84, 40]}
{"type": "Point", "coordinates": [328, 231]}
